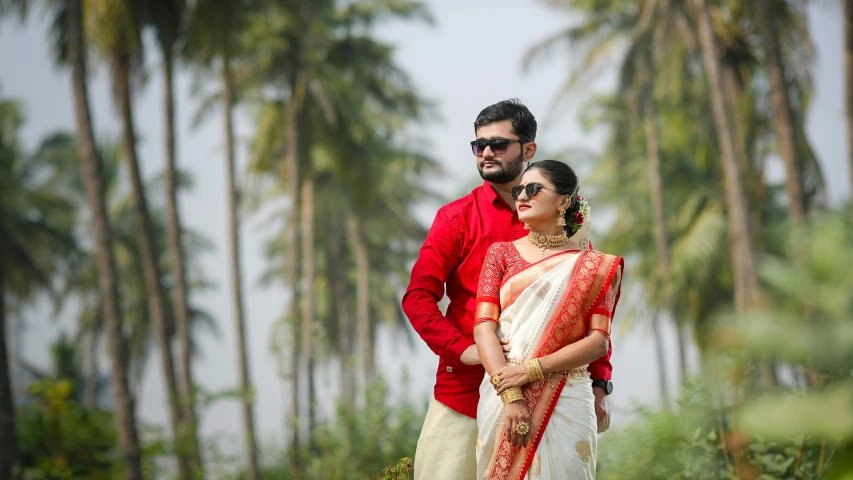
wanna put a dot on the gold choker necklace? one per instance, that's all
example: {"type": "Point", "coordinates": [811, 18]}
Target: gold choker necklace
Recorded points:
{"type": "Point", "coordinates": [544, 242]}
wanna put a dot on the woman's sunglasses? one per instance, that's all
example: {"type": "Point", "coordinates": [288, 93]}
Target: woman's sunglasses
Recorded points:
{"type": "Point", "coordinates": [498, 145]}
{"type": "Point", "coordinates": [532, 189]}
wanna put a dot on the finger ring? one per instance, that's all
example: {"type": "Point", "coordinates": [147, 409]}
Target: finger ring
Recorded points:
{"type": "Point", "coordinates": [522, 428]}
{"type": "Point", "coordinates": [496, 380]}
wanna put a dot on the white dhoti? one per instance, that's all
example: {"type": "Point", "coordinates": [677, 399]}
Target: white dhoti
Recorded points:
{"type": "Point", "coordinates": [447, 445]}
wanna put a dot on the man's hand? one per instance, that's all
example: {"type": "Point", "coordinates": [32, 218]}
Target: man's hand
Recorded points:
{"type": "Point", "coordinates": [602, 409]}
{"type": "Point", "coordinates": [471, 356]}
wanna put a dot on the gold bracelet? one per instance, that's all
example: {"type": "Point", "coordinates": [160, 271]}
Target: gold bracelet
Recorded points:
{"type": "Point", "coordinates": [534, 370]}
{"type": "Point", "coordinates": [512, 395]}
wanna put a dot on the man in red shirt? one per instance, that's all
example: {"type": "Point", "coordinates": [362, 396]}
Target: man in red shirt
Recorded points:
{"type": "Point", "coordinates": [451, 257]}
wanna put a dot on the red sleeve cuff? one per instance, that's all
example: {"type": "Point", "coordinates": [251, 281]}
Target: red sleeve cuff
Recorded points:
{"type": "Point", "coordinates": [601, 368]}
{"type": "Point", "coordinates": [454, 351]}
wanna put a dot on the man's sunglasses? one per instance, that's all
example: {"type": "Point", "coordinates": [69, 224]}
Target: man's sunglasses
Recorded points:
{"type": "Point", "coordinates": [498, 145]}
{"type": "Point", "coordinates": [532, 189]}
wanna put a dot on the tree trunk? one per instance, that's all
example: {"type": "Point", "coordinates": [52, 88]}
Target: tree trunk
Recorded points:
{"type": "Point", "coordinates": [337, 277]}
{"type": "Point", "coordinates": [9, 454]}
{"type": "Point", "coordinates": [681, 331]}
{"type": "Point", "coordinates": [740, 239]}
{"type": "Point", "coordinates": [291, 171]}
{"type": "Point", "coordinates": [90, 394]}
{"type": "Point", "coordinates": [90, 166]}
{"type": "Point", "coordinates": [236, 281]}
{"type": "Point", "coordinates": [656, 187]}
{"type": "Point", "coordinates": [848, 83]}
{"type": "Point", "coordinates": [661, 360]}
{"type": "Point", "coordinates": [365, 339]}
{"type": "Point", "coordinates": [783, 117]}
{"type": "Point", "coordinates": [176, 257]}
{"type": "Point", "coordinates": [149, 256]}
{"type": "Point", "coordinates": [307, 205]}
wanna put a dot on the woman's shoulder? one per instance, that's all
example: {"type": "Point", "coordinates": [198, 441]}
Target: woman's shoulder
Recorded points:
{"type": "Point", "coordinates": [500, 247]}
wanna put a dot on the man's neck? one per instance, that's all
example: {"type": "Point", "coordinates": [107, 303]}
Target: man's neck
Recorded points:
{"type": "Point", "coordinates": [504, 190]}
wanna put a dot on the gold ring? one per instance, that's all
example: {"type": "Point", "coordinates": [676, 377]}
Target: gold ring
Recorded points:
{"type": "Point", "coordinates": [522, 428]}
{"type": "Point", "coordinates": [496, 380]}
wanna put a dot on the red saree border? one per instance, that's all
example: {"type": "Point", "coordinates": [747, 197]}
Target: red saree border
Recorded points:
{"type": "Point", "coordinates": [516, 283]}
{"type": "Point", "coordinates": [512, 463]}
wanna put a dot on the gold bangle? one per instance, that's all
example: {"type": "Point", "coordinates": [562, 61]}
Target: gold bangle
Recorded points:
{"type": "Point", "coordinates": [512, 395]}
{"type": "Point", "coordinates": [534, 370]}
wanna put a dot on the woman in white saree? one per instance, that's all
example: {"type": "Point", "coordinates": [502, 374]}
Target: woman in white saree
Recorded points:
{"type": "Point", "coordinates": [554, 299]}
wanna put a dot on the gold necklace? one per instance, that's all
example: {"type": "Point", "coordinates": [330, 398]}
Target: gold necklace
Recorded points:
{"type": "Point", "coordinates": [544, 242]}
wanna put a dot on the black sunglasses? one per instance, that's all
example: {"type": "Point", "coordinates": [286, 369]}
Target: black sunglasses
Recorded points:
{"type": "Point", "coordinates": [498, 145]}
{"type": "Point", "coordinates": [532, 189]}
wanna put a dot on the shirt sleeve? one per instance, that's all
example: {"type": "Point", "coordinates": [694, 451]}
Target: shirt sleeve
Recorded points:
{"type": "Point", "coordinates": [438, 257]}
{"type": "Point", "coordinates": [601, 318]}
{"type": "Point", "coordinates": [489, 288]}
{"type": "Point", "coordinates": [601, 315]}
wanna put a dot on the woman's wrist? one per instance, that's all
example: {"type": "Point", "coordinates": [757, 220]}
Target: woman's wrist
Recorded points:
{"type": "Point", "coordinates": [545, 365]}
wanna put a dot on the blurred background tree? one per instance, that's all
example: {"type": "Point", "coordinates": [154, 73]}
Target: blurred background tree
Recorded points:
{"type": "Point", "coordinates": [710, 97]}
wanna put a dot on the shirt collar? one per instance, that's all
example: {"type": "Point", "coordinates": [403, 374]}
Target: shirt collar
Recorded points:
{"type": "Point", "coordinates": [493, 197]}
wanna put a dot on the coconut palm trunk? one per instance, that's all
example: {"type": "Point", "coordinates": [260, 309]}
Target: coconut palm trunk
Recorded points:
{"type": "Point", "coordinates": [149, 255]}
{"type": "Point", "coordinates": [252, 470]}
{"type": "Point", "coordinates": [783, 117]}
{"type": "Point", "coordinates": [291, 172]}
{"type": "Point", "coordinates": [9, 452]}
{"type": "Point", "coordinates": [656, 198]}
{"type": "Point", "coordinates": [90, 166]}
{"type": "Point", "coordinates": [178, 264]}
{"type": "Point", "coordinates": [364, 338]}
{"type": "Point", "coordinates": [337, 277]}
{"type": "Point", "coordinates": [307, 213]}
{"type": "Point", "coordinates": [90, 395]}
{"type": "Point", "coordinates": [848, 81]}
{"type": "Point", "coordinates": [740, 238]}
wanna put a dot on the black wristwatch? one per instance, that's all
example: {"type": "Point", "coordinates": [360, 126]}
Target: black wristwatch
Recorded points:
{"type": "Point", "coordinates": [605, 385]}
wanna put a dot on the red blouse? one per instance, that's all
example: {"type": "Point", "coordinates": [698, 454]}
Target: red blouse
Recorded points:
{"type": "Point", "coordinates": [503, 260]}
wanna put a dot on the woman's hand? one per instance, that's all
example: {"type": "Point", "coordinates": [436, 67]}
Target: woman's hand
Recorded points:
{"type": "Point", "coordinates": [511, 376]}
{"type": "Point", "coordinates": [515, 413]}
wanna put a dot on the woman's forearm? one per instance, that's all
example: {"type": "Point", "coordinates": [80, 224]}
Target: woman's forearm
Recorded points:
{"type": "Point", "coordinates": [491, 352]}
{"type": "Point", "coordinates": [575, 355]}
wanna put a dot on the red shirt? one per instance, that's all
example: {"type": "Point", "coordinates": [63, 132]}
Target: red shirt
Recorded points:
{"type": "Point", "coordinates": [452, 256]}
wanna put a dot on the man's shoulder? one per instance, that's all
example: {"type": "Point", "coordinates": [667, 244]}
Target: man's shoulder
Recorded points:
{"type": "Point", "coordinates": [460, 206]}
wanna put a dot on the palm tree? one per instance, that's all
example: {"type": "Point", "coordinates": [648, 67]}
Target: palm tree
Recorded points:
{"type": "Point", "coordinates": [737, 207]}
{"type": "Point", "coordinates": [783, 117]}
{"type": "Point", "coordinates": [168, 18]}
{"type": "Point", "coordinates": [114, 26]}
{"type": "Point", "coordinates": [213, 35]}
{"type": "Point", "coordinates": [848, 83]}
{"type": "Point", "coordinates": [306, 50]}
{"type": "Point", "coordinates": [90, 167]}
{"type": "Point", "coordinates": [36, 242]}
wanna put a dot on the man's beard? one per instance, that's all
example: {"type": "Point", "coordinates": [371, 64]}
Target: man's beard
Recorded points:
{"type": "Point", "coordinates": [507, 170]}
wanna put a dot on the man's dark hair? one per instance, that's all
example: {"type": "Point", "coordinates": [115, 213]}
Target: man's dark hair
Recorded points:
{"type": "Point", "coordinates": [523, 122]}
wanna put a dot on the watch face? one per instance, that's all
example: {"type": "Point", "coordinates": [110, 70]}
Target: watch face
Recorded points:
{"type": "Point", "coordinates": [609, 387]}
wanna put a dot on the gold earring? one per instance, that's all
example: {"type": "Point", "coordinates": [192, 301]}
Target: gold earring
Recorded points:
{"type": "Point", "coordinates": [561, 221]}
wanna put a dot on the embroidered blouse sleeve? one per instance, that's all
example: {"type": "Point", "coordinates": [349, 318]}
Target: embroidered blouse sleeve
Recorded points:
{"type": "Point", "coordinates": [601, 315]}
{"type": "Point", "coordinates": [489, 288]}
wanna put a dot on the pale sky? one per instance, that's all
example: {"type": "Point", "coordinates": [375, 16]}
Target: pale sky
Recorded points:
{"type": "Point", "coordinates": [468, 60]}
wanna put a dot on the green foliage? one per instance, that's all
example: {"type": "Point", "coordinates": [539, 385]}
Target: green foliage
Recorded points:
{"type": "Point", "coordinates": [60, 439]}
{"type": "Point", "coordinates": [696, 441]}
{"type": "Point", "coordinates": [730, 428]}
{"type": "Point", "coordinates": [359, 443]}
{"type": "Point", "coordinates": [400, 471]}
